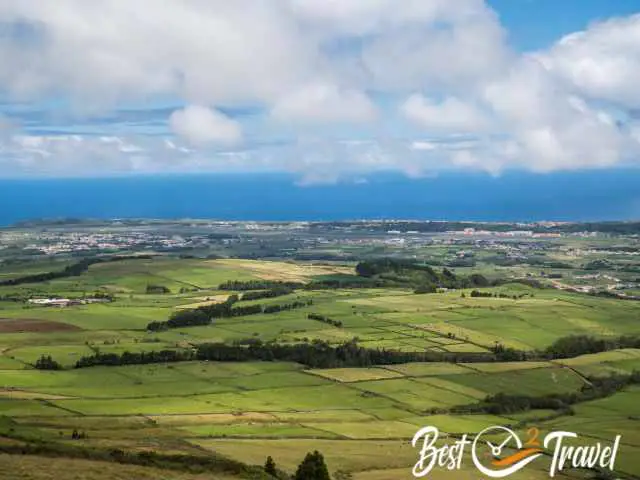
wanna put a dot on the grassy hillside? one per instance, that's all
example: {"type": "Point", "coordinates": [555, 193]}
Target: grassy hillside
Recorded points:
{"type": "Point", "coordinates": [21, 467]}
{"type": "Point", "coordinates": [362, 419]}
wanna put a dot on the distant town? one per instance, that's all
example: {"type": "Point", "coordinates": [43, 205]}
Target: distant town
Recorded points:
{"type": "Point", "coordinates": [597, 258]}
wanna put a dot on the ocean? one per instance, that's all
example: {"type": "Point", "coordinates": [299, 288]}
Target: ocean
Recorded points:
{"type": "Point", "coordinates": [515, 196]}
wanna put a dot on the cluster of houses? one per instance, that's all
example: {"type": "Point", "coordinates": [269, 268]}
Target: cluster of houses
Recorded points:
{"type": "Point", "coordinates": [66, 302]}
{"type": "Point", "coordinates": [53, 243]}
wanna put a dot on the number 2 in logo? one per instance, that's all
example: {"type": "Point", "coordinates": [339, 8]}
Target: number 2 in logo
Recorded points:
{"type": "Point", "coordinates": [533, 441]}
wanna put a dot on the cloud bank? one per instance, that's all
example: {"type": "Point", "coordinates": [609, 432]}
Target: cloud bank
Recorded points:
{"type": "Point", "coordinates": [201, 125]}
{"type": "Point", "coordinates": [323, 88]}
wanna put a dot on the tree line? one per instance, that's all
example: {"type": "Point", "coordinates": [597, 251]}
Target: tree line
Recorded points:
{"type": "Point", "coordinates": [327, 283]}
{"type": "Point", "coordinates": [135, 358]}
{"type": "Point", "coordinates": [317, 354]}
{"type": "Point", "coordinates": [271, 293]}
{"type": "Point", "coordinates": [320, 354]}
{"type": "Point", "coordinates": [323, 319]}
{"type": "Point", "coordinates": [72, 270]}
{"type": "Point", "coordinates": [205, 314]}
{"type": "Point", "coordinates": [479, 294]}
{"type": "Point", "coordinates": [567, 347]}
{"type": "Point", "coordinates": [239, 286]}
{"type": "Point", "coordinates": [576, 345]}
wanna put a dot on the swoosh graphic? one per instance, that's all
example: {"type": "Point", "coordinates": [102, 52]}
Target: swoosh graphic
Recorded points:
{"type": "Point", "coordinates": [516, 457]}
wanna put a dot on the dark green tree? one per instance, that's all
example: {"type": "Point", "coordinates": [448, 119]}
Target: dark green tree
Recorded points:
{"type": "Point", "coordinates": [158, 289]}
{"type": "Point", "coordinates": [312, 468]}
{"type": "Point", "coordinates": [45, 362]}
{"type": "Point", "coordinates": [270, 467]}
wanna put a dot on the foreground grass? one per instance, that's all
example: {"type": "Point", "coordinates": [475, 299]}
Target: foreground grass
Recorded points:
{"type": "Point", "coordinates": [27, 467]}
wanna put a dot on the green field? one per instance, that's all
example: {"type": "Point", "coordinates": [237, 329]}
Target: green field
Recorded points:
{"type": "Point", "coordinates": [362, 419]}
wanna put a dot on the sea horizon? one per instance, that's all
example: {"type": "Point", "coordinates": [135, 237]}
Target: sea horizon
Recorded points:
{"type": "Point", "coordinates": [591, 195]}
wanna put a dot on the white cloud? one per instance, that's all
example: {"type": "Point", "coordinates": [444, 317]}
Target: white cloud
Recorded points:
{"type": "Point", "coordinates": [101, 51]}
{"type": "Point", "coordinates": [201, 125]}
{"type": "Point", "coordinates": [451, 114]}
{"type": "Point", "coordinates": [551, 128]}
{"type": "Point", "coordinates": [333, 71]}
{"type": "Point", "coordinates": [216, 51]}
{"type": "Point", "coordinates": [422, 145]}
{"type": "Point", "coordinates": [422, 43]}
{"type": "Point", "coordinates": [70, 155]}
{"type": "Point", "coordinates": [602, 62]}
{"type": "Point", "coordinates": [320, 102]}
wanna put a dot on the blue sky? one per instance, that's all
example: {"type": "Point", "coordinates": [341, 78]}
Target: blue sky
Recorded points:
{"type": "Point", "coordinates": [325, 90]}
{"type": "Point", "coordinates": [537, 24]}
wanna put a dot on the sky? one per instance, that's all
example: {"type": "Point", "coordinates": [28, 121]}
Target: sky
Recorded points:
{"type": "Point", "coordinates": [325, 90]}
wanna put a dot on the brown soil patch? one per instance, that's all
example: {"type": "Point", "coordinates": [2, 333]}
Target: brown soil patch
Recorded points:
{"type": "Point", "coordinates": [18, 325]}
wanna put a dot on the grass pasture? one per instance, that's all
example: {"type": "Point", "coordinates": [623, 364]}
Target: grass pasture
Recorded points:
{"type": "Point", "coordinates": [534, 382]}
{"type": "Point", "coordinates": [605, 363]}
{"type": "Point", "coordinates": [349, 375]}
{"type": "Point", "coordinates": [362, 419]}
{"type": "Point", "coordinates": [601, 420]}
{"type": "Point", "coordinates": [345, 455]}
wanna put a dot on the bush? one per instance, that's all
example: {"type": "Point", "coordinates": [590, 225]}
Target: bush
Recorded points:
{"type": "Point", "coordinates": [327, 320]}
{"type": "Point", "coordinates": [157, 289]}
{"type": "Point", "coordinates": [270, 467]}
{"type": "Point", "coordinates": [312, 467]}
{"type": "Point", "coordinates": [423, 289]}
{"type": "Point", "coordinates": [45, 362]}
